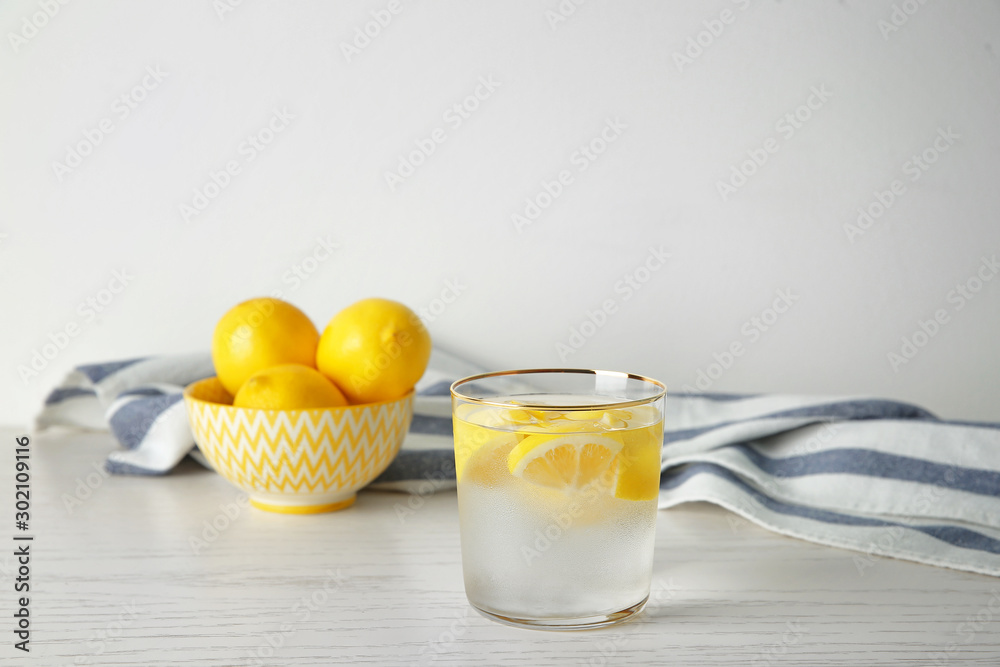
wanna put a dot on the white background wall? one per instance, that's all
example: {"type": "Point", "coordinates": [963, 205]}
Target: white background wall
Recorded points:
{"type": "Point", "coordinates": [62, 236]}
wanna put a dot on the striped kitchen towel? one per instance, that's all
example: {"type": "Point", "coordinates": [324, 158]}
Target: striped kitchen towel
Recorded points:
{"type": "Point", "coordinates": [880, 477]}
{"type": "Point", "coordinates": [141, 401]}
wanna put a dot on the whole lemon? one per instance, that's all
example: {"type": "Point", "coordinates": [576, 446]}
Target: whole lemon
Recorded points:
{"type": "Point", "coordinates": [288, 387]}
{"type": "Point", "coordinates": [260, 333]}
{"type": "Point", "coordinates": [374, 350]}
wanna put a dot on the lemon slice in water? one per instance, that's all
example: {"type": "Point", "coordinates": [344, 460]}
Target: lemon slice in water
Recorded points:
{"type": "Point", "coordinates": [568, 461]}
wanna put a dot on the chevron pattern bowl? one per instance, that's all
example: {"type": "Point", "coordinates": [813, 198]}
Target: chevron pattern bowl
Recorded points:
{"type": "Point", "coordinates": [296, 461]}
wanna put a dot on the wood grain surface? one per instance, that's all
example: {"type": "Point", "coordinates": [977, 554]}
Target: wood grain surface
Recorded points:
{"type": "Point", "coordinates": [178, 570]}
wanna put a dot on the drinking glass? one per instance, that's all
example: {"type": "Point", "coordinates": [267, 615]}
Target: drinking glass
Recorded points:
{"type": "Point", "coordinates": [558, 475]}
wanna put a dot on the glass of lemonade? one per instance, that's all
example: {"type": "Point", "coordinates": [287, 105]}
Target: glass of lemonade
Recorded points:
{"type": "Point", "coordinates": [558, 476]}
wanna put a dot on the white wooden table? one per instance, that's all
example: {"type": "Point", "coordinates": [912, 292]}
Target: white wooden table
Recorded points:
{"type": "Point", "coordinates": [130, 571]}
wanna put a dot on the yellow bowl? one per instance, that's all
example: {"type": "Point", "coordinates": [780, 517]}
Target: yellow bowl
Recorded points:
{"type": "Point", "coordinates": [296, 461]}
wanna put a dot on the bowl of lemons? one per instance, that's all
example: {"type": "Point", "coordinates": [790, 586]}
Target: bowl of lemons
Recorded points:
{"type": "Point", "coordinates": [301, 420]}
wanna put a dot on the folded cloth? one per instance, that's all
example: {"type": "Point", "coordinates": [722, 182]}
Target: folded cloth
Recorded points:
{"type": "Point", "coordinates": [141, 401]}
{"type": "Point", "coordinates": [880, 477]}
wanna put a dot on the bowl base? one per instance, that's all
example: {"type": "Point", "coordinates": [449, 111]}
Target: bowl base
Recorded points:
{"type": "Point", "coordinates": [281, 508]}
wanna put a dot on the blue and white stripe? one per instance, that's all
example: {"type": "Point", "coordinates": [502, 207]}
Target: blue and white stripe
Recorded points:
{"type": "Point", "coordinates": [880, 477]}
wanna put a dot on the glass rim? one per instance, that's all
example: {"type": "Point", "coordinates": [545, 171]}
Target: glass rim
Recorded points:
{"type": "Point", "coordinates": [539, 406]}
